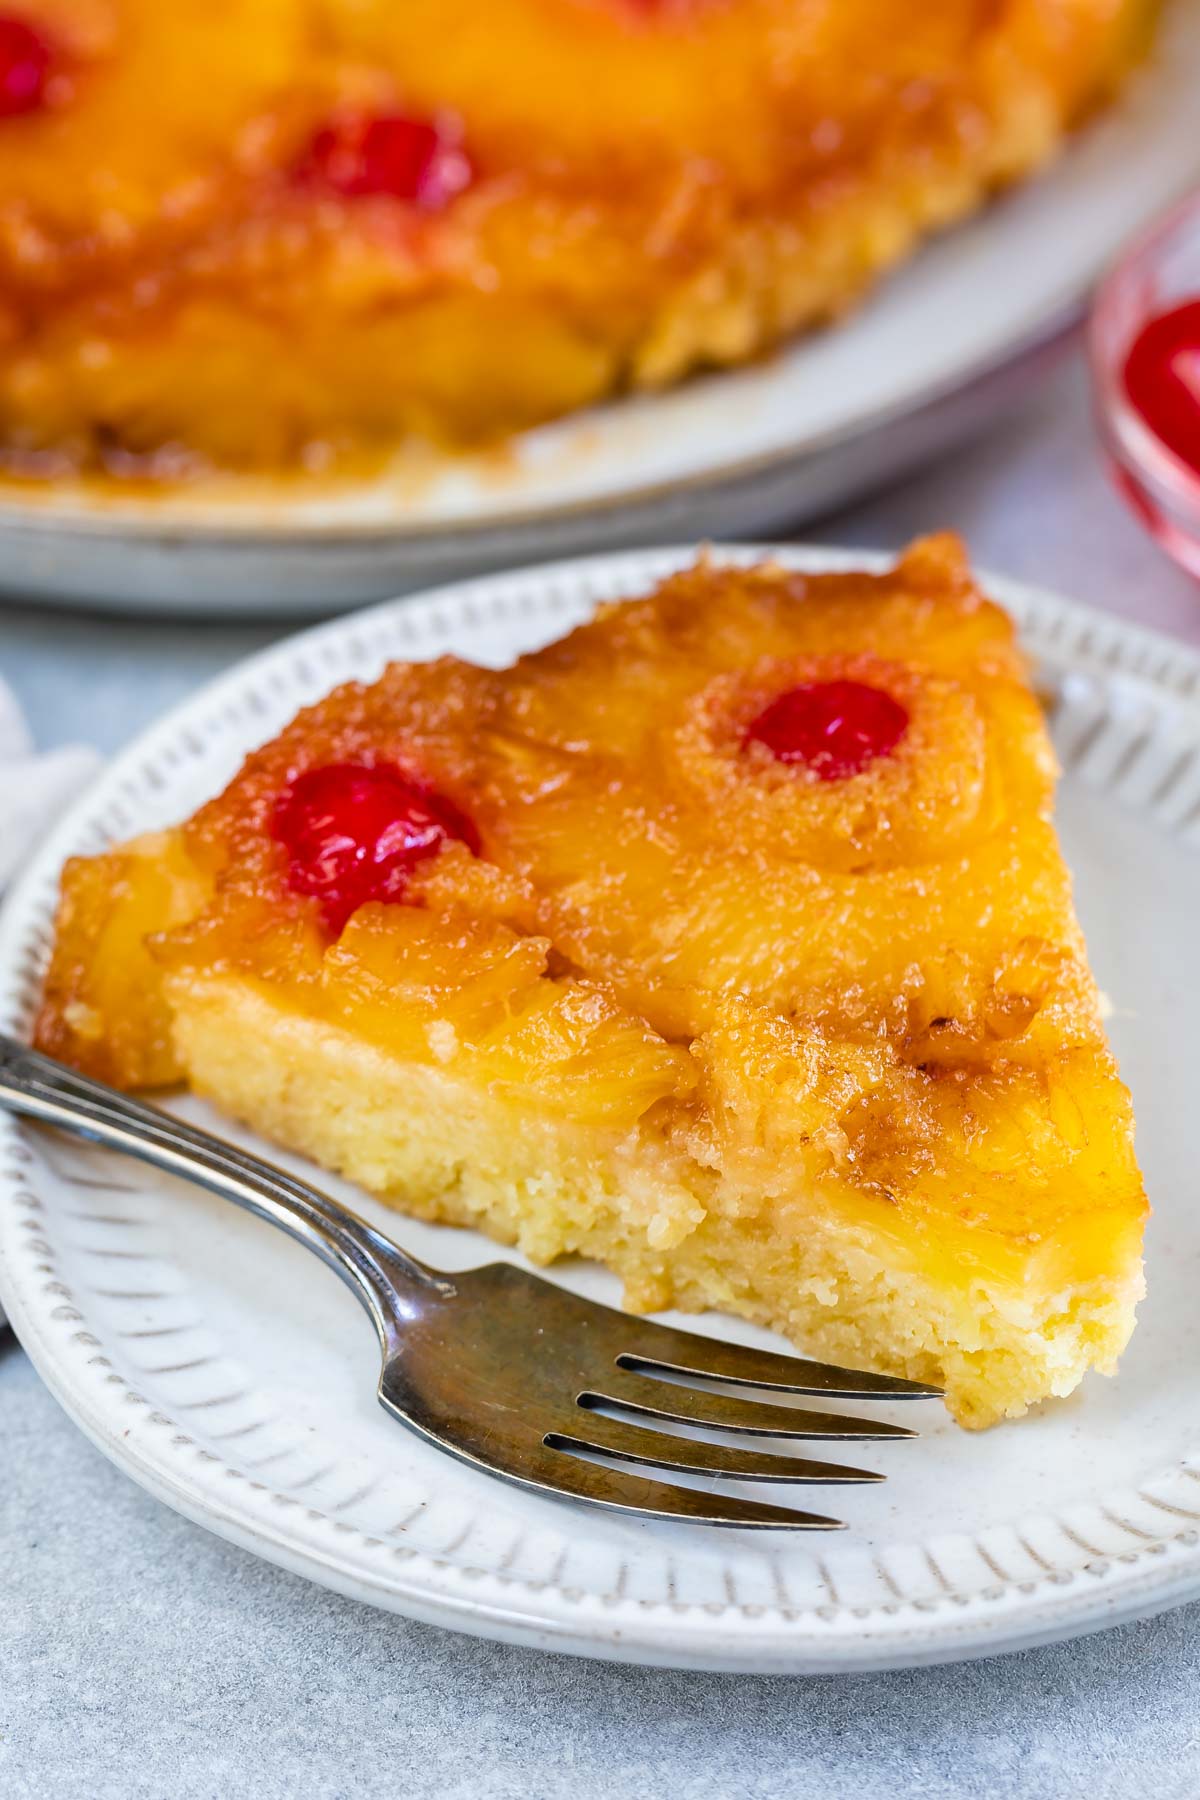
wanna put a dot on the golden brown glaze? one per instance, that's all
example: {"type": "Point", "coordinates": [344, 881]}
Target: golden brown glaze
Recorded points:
{"type": "Point", "coordinates": [628, 189]}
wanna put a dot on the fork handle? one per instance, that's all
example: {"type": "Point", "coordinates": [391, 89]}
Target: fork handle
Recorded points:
{"type": "Point", "coordinates": [370, 1263]}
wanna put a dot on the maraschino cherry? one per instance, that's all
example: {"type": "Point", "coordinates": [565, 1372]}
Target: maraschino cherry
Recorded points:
{"type": "Point", "coordinates": [359, 155]}
{"type": "Point", "coordinates": [1162, 379]}
{"type": "Point", "coordinates": [835, 728]}
{"type": "Point", "coordinates": [355, 832]}
{"type": "Point", "coordinates": [26, 63]}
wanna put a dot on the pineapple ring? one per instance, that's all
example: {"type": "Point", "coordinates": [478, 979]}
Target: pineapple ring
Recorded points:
{"type": "Point", "coordinates": [934, 795]}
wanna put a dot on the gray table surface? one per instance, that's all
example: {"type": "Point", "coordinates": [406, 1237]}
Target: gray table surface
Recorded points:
{"type": "Point", "coordinates": [140, 1656]}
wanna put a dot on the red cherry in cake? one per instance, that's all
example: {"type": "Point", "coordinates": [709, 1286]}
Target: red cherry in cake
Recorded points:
{"type": "Point", "coordinates": [652, 10]}
{"type": "Point", "coordinates": [835, 728]}
{"type": "Point", "coordinates": [355, 832]}
{"type": "Point", "coordinates": [25, 67]}
{"type": "Point", "coordinates": [421, 161]}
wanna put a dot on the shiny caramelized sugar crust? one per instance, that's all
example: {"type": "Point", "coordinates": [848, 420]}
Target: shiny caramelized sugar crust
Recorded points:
{"type": "Point", "coordinates": [761, 982]}
{"type": "Point", "coordinates": [277, 234]}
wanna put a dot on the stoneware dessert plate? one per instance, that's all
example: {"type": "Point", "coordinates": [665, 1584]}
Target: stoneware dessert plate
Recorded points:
{"type": "Point", "coordinates": [933, 354]}
{"type": "Point", "coordinates": [232, 1376]}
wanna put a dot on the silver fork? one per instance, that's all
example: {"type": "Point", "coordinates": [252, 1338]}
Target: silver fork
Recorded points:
{"type": "Point", "coordinates": [506, 1371]}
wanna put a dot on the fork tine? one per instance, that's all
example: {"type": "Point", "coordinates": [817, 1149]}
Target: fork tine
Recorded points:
{"type": "Point", "coordinates": [660, 1347]}
{"type": "Point", "coordinates": [618, 1489]}
{"type": "Point", "coordinates": [660, 1400]}
{"type": "Point", "coordinates": [633, 1444]}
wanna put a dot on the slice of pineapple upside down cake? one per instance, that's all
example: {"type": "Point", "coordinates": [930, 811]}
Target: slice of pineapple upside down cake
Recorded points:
{"type": "Point", "coordinates": [726, 940]}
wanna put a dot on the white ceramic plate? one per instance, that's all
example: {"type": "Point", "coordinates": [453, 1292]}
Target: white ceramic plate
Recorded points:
{"type": "Point", "coordinates": [937, 350]}
{"type": "Point", "coordinates": [228, 1372]}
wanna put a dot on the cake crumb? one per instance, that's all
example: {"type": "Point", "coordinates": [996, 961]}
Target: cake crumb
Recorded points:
{"type": "Point", "coordinates": [443, 1040]}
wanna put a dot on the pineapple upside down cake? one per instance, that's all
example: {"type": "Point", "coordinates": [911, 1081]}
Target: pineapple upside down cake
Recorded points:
{"type": "Point", "coordinates": [726, 940]}
{"type": "Point", "coordinates": [290, 235]}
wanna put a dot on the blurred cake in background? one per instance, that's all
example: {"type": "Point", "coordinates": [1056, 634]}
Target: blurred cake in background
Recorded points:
{"type": "Point", "coordinates": [294, 235]}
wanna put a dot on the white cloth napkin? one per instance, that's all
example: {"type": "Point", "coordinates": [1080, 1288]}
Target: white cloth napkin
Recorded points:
{"type": "Point", "coordinates": [33, 789]}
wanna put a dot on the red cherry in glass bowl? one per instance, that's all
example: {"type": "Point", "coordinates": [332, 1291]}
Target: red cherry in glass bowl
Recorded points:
{"type": "Point", "coordinates": [1144, 345]}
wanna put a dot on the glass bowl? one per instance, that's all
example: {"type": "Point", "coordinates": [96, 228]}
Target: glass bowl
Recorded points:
{"type": "Point", "coordinates": [1160, 269]}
